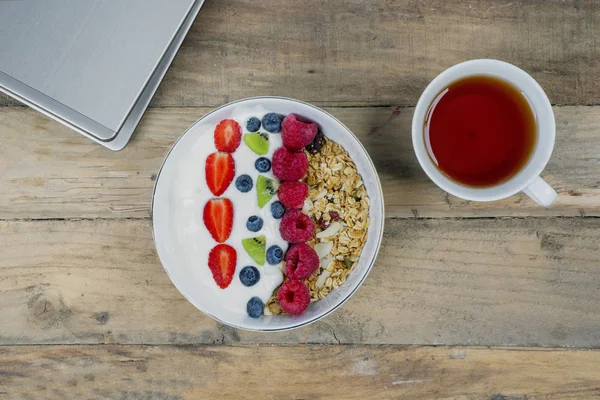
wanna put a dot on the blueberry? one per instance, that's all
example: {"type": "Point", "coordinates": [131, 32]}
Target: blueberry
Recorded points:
{"type": "Point", "coordinates": [262, 164]}
{"type": "Point", "coordinates": [318, 142]}
{"type": "Point", "coordinates": [253, 124]}
{"type": "Point", "coordinates": [243, 183]}
{"type": "Point", "coordinates": [249, 276]}
{"type": "Point", "coordinates": [274, 255]}
{"type": "Point", "coordinates": [272, 122]}
{"type": "Point", "coordinates": [277, 209]}
{"type": "Point", "coordinates": [255, 307]}
{"type": "Point", "coordinates": [254, 223]}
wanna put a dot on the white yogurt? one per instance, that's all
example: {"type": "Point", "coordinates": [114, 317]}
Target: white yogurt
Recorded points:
{"type": "Point", "coordinates": [190, 193]}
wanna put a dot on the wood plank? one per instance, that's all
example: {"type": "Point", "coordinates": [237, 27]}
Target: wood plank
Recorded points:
{"type": "Point", "coordinates": [376, 52]}
{"type": "Point", "coordinates": [298, 372]}
{"type": "Point", "coordinates": [47, 171]}
{"type": "Point", "coordinates": [474, 281]}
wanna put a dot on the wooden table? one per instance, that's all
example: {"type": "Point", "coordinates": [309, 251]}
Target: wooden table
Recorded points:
{"type": "Point", "coordinates": [467, 300]}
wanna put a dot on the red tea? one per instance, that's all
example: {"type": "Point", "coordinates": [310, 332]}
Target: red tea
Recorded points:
{"type": "Point", "coordinates": [480, 131]}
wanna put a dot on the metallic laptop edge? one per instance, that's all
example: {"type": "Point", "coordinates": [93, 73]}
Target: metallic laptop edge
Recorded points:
{"type": "Point", "coordinates": [80, 123]}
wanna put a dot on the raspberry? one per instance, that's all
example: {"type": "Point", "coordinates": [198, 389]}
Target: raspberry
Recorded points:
{"type": "Point", "coordinates": [292, 193]}
{"type": "Point", "coordinates": [293, 297]}
{"type": "Point", "coordinates": [297, 132]}
{"type": "Point", "coordinates": [296, 227]}
{"type": "Point", "coordinates": [301, 261]}
{"type": "Point", "coordinates": [289, 166]}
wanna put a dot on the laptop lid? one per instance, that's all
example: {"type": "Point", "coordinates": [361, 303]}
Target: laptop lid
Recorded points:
{"type": "Point", "coordinates": [90, 64]}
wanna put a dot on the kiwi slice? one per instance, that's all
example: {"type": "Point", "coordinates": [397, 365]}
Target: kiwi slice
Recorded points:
{"type": "Point", "coordinates": [265, 189]}
{"type": "Point", "coordinates": [255, 247]}
{"type": "Point", "coordinates": [258, 142]}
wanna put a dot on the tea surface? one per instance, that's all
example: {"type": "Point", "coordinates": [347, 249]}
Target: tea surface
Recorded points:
{"type": "Point", "coordinates": [480, 131]}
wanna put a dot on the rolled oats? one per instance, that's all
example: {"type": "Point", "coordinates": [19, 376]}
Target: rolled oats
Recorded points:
{"type": "Point", "coordinates": [335, 186]}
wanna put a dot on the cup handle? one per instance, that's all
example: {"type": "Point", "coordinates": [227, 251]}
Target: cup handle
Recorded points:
{"type": "Point", "coordinates": [541, 192]}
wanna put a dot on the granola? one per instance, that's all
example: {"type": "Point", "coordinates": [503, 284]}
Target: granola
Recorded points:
{"type": "Point", "coordinates": [339, 204]}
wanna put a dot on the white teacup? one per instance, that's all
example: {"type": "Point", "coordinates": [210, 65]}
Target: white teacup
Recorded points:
{"type": "Point", "coordinates": [528, 178]}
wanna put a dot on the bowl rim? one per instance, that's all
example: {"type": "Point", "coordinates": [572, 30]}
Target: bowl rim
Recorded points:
{"type": "Point", "coordinates": [377, 244]}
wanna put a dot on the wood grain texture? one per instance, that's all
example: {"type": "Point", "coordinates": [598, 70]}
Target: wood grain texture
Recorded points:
{"type": "Point", "coordinates": [472, 282]}
{"type": "Point", "coordinates": [298, 372]}
{"type": "Point", "coordinates": [47, 171]}
{"type": "Point", "coordinates": [377, 52]}
{"type": "Point", "coordinates": [95, 278]}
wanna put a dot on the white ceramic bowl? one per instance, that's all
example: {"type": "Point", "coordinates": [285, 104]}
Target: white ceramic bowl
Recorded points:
{"type": "Point", "coordinates": [168, 224]}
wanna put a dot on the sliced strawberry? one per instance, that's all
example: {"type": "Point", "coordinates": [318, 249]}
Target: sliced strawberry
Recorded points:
{"type": "Point", "coordinates": [220, 170]}
{"type": "Point", "coordinates": [228, 135]}
{"type": "Point", "coordinates": [218, 218]}
{"type": "Point", "coordinates": [221, 261]}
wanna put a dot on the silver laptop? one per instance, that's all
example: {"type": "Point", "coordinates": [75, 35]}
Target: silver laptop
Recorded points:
{"type": "Point", "coordinates": [92, 65]}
